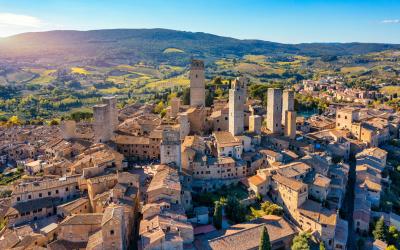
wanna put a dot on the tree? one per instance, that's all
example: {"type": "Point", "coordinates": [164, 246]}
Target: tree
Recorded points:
{"type": "Point", "coordinates": [300, 242]}
{"type": "Point", "coordinates": [209, 98]}
{"type": "Point", "coordinates": [54, 122]}
{"type": "Point", "coordinates": [271, 208]}
{"type": "Point", "coordinates": [158, 108]}
{"type": "Point", "coordinates": [321, 245]}
{"type": "Point", "coordinates": [235, 211]}
{"type": "Point", "coordinates": [217, 218]}
{"type": "Point", "coordinates": [380, 230]}
{"type": "Point", "coordinates": [186, 96]}
{"type": "Point", "coordinates": [14, 120]}
{"type": "Point", "coordinates": [392, 236]}
{"type": "Point", "coordinates": [265, 243]}
{"type": "Point", "coordinates": [360, 243]}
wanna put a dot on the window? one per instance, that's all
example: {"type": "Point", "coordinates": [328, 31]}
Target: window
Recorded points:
{"type": "Point", "coordinates": [48, 193]}
{"type": "Point", "coordinates": [40, 194]}
{"type": "Point", "coordinates": [18, 198]}
{"type": "Point", "coordinates": [56, 191]}
{"type": "Point", "coordinates": [111, 232]}
{"type": "Point", "coordinates": [66, 189]}
{"type": "Point", "coordinates": [29, 197]}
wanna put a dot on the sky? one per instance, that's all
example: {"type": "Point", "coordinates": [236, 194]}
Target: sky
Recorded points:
{"type": "Point", "coordinates": [286, 21]}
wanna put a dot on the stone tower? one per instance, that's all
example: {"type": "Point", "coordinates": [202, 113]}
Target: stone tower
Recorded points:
{"type": "Point", "coordinates": [274, 110]}
{"type": "Point", "coordinates": [287, 103]}
{"type": "Point", "coordinates": [170, 147]}
{"type": "Point", "coordinates": [175, 105]}
{"type": "Point", "coordinates": [105, 119]}
{"type": "Point", "coordinates": [68, 129]}
{"type": "Point", "coordinates": [111, 102]}
{"type": "Point", "coordinates": [197, 84]}
{"type": "Point", "coordinates": [255, 123]}
{"type": "Point", "coordinates": [114, 228]}
{"type": "Point", "coordinates": [236, 106]}
{"type": "Point", "coordinates": [290, 124]}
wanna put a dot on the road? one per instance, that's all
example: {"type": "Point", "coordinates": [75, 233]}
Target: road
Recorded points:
{"type": "Point", "coordinates": [349, 206]}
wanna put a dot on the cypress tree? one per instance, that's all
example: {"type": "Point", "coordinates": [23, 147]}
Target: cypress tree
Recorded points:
{"type": "Point", "coordinates": [380, 230]}
{"type": "Point", "coordinates": [265, 244]}
{"type": "Point", "coordinates": [217, 218]}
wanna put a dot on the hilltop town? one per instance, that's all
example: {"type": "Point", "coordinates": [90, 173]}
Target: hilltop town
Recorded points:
{"type": "Point", "coordinates": [198, 176]}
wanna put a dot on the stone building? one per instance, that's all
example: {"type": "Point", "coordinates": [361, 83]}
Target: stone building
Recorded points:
{"type": "Point", "coordinates": [290, 124]}
{"type": "Point", "coordinates": [197, 84]}
{"type": "Point", "coordinates": [105, 119]}
{"type": "Point", "coordinates": [175, 106]}
{"type": "Point", "coordinates": [274, 110]}
{"type": "Point", "coordinates": [236, 106]}
{"type": "Point", "coordinates": [170, 148]}
{"type": "Point", "coordinates": [287, 104]}
{"type": "Point", "coordinates": [255, 123]}
{"type": "Point", "coordinates": [345, 117]}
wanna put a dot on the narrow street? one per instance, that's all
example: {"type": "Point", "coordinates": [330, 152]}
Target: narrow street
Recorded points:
{"type": "Point", "coordinates": [348, 206]}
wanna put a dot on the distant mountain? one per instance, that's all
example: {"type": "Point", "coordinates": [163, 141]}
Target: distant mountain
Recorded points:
{"type": "Point", "coordinates": [157, 45]}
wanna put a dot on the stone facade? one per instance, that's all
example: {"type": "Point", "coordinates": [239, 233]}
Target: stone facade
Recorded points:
{"type": "Point", "coordinates": [105, 119]}
{"type": "Point", "coordinates": [287, 104]}
{"type": "Point", "coordinates": [197, 84]}
{"type": "Point", "coordinates": [236, 106]}
{"type": "Point", "coordinates": [274, 110]}
{"type": "Point", "coordinates": [170, 149]}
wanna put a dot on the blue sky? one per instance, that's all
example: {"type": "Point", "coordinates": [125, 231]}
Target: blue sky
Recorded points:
{"type": "Point", "coordinates": [287, 21]}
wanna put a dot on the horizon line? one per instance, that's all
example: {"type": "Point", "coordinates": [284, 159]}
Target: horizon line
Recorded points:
{"type": "Point", "coordinates": [225, 36]}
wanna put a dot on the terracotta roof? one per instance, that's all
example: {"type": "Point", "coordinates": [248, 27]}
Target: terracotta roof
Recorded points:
{"type": "Point", "coordinates": [74, 204]}
{"type": "Point", "coordinates": [321, 181]}
{"type": "Point", "coordinates": [247, 235]}
{"type": "Point", "coordinates": [288, 182]}
{"type": "Point", "coordinates": [224, 138]}
{"type": "Point", "coordinates": [127, 139]}
{"type": "Point", "coordinates": [166, 177]}
{"type": "Point", "coordinates": [317, 213]}
{"type": "Point", "coordinates": [256, 180]}
{"type": "Point", "coordinates": [83, 219]}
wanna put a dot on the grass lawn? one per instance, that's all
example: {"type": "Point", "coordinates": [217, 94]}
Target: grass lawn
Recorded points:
{"type": "Point", "coordinates": [346, 70]}
{"type": "Point", "coordinates": [390, 90]}
{"type": "Point", "coordinates": [169, 83]}
{"type": "Point", "coordinates": [78, 70]}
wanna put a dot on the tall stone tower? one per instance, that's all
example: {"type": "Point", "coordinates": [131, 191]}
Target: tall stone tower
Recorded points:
{"type": "Point", "coordinates": [255, 123]}
{"type": "Point", "coordinates": [170, 148]}
{"type": "Point", "coordinates": [290, 124]}
{"type": "Point", "coordinates": [111, 102]}
{"type": "Point", "coordinates": [236, 106]}
{"type": "Point", "coordinates": [175, 105]}
{"type": "Point", "coordinates": [274, 110]}
{"type": "Point", "coordinates": [287, 103]}
{"type": "Point", "coordinates": [105, 119]}
{"type": "Point", "coordinates": [68, 129]}
{"type": "Point", "coordinates": [197, 84]}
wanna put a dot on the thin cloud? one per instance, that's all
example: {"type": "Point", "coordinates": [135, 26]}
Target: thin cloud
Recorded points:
{"type": "Point", "coordinates": [11, 19]}
{"type": "Point", "coordinates": [391, 21]}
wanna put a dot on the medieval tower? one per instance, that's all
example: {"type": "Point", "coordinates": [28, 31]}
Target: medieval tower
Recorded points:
{"type": "Point", "coordinates": [287, 103]}
{"type": "Point", "coordinates": [237, 95]}
{"type": "Point", "coordinates": [274, 110]}
{"type": "Point", "coordinates": [197, 84]}
{"type": "Point", "coordinates": [288, 114]}
{"type": "Point", "coordinates": [170, 148]}
{"type": "Point", "coordinates": [105, 119]}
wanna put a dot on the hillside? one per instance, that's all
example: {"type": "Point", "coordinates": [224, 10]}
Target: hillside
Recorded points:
{"type": "Point", "coordinates": [129, 46]}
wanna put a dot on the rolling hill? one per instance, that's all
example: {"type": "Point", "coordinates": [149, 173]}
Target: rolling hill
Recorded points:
{"type": "Point", "coordinates": [116, 46]}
